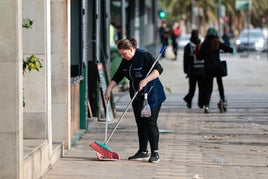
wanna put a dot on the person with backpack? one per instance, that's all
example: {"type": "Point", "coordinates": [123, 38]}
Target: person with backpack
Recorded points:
{"type": "Point", "coordinates": [193, 66]}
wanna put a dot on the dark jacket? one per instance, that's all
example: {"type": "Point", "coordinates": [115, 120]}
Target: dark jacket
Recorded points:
{"type": "Point", "coordinates": [188, 59]}
{"type": "Point", "coordinates": [164, 35]}
{"type": "Point", "coordinates": [211, 56]}
{"type": "Point", "coordinates": [136, 70]}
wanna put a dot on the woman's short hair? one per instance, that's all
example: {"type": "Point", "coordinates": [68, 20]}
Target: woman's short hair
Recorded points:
{"type": "Point", "coordinates": [126, 44]}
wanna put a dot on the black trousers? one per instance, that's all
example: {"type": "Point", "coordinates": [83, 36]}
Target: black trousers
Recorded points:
{"type": "Point", "coordinates": [200, 80]}
{"type": "Point", "coordinates": [209, 88]}
{"type": "Point", "coordinates": [174, 44]}
{"type": "Point", "coordinates": [147, 127]}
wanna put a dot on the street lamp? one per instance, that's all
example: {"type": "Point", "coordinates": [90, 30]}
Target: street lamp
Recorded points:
{"type": "Point", "coordinates": [219, 14]}
{"type": "Point", "coordinates": [193, 14]}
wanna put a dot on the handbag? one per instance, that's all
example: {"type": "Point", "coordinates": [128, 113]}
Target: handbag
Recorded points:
{"type": "Point", "coordinates": [169, 53]}
{"type": "Point", "coordinates": [224, 68]}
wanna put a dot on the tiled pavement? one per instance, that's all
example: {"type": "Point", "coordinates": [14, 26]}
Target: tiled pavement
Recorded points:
{"type": "Point", "coordinates": [231, 145]}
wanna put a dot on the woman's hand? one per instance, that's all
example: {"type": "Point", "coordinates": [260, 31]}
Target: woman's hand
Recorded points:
{"type": "Point", "coordinates": [143, 83]}
{"type": "Point", "coordinates": [111, 85]}
{"type": "Point", "coordinates": [107, 95]}
{"type": "Point", "coordinates": [155, 74]}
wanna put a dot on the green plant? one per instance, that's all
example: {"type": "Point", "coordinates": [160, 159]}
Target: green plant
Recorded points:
{"type": "Point", "coordinates": [31, 63]}
{"type": "Point", "coordinates": [27, 23]}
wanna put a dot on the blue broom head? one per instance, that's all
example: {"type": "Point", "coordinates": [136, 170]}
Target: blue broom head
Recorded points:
{"type": "Point", "coordinates": [103, 146]}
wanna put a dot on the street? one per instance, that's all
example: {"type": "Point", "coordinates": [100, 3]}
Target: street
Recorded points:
{"type": "Point", "coordinates": [193, 145]}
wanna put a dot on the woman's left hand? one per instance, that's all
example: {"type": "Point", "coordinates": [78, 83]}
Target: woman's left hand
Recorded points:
{"type": "Point", "coordinates": [155, 74]}
{"type": "Point", "coordinates": [142, 84]}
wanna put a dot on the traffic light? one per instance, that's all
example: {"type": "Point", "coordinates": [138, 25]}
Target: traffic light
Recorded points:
{"type": "Point", "coordinates": [162, 14]}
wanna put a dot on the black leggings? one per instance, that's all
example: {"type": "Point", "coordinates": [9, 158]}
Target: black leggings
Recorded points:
{"type": "Point", "coordinates": [209, 88]}
{"type": "Point", "coordinates": [220, 87]}
{"type": "Point", "coordinates": [147, 127]}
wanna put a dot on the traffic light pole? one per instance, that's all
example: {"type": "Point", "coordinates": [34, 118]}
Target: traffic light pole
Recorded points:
{"type": "Point", "coordinates": [123, 18]}
{"type": "Point", "coordinates": [193, 15]}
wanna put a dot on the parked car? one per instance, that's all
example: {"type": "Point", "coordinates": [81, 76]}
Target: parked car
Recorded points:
{"type": "Point", "coordinates": [251, 40]}
{"type": "Point", "coordinates": [183, 40]}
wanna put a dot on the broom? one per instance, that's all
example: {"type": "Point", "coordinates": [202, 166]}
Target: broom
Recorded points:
{"type": "Point", "coordinates": [103, 151]}
{"type": "Point", "coordinates": [113, 155]}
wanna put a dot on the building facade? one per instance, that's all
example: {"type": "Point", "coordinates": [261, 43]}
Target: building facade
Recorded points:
{"type": "Point", "coordinates": [70, 37]}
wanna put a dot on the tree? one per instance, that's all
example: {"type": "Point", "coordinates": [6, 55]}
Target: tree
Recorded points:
{"type": "Point", "coordinates": [182, 9]}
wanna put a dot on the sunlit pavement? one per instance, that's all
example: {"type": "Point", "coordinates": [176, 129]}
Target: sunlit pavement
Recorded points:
{"type": "Point", "coordinates": [217, 145]}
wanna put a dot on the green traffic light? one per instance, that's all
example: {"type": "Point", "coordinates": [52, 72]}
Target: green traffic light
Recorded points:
{"type": "Point", "coordinates": [162, 14]}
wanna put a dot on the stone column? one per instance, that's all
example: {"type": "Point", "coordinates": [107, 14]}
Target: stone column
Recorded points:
{"type": "Point", "coordinates": [37, 84]}
{"type": "Point", "coordinates": [11, 97]}
{"type": "Point", "coordinates": [60, 57]}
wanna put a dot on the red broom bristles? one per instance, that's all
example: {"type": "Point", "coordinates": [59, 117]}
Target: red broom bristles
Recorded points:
{"type": "Point", "coordinates": [104, 150]}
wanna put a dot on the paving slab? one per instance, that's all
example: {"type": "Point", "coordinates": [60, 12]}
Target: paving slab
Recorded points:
{"type": "Point", "coordinates": [193, 145]}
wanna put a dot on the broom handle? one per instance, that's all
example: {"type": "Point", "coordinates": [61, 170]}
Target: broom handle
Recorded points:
{"type": "Point", "coordinates": [106, 121]}
{"type": "Point", "coordinates": [136, 93]}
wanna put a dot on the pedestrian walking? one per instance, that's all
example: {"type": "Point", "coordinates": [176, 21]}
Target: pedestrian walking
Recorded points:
{"type": "Point", "coordinates": [164, 34]}
{"type": "Point", "coordinates": [210, 51]}
{"type": "Point", "coordinates": [176, 32]}
{"type": "Point", "coordinates": [193, 67]}
{"type": "Point", "coordinates": [135, 65]}
{"type": "Point", "coordinates": [226, 36]}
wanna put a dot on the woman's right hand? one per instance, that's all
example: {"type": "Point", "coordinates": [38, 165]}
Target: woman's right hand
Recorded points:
{"type": "Point", "coordinates": [111, 85]}
{"type": "Point", "coordinates": [107, 95]}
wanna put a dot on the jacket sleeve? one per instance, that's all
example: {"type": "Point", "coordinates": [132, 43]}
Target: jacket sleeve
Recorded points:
{"type": "Point", "coordinates": [187, 60]}
{"type": "Point", "coordinates": [149, 61]}
{"type": "Point", "coordinates": [226, 48]}
{"type": "Point", "coordinates": [119, 74]}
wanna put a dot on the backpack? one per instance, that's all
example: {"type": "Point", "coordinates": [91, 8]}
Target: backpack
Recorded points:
{"type": "Point", "coordinates": [198, 65]}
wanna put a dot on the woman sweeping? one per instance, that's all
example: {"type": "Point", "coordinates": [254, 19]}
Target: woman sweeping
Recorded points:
{"type": "Point", "coordinates": [135, 65]}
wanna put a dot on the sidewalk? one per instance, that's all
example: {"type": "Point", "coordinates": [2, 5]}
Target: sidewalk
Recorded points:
{"type": "Point", "coordinates": [217, 145]}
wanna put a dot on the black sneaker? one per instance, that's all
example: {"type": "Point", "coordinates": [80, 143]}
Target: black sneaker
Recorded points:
{"type": "Point", "coordinates": [140, 155]}
{"type": "Point", "coordinates": [154, 157]}
{"type": "Point", "coordinates": [188, 103]}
